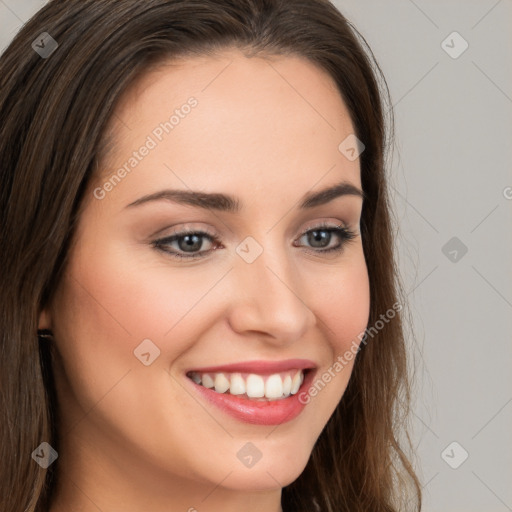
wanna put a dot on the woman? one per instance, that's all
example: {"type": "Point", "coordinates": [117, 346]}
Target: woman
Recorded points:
{"type": "Point", "coordinates": [200, 305]}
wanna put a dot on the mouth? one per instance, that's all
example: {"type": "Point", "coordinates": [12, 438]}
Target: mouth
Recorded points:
{"type": "Point", "coordinates": [277, 386]}
{"type": "Point", "coordinates": [258, 392]}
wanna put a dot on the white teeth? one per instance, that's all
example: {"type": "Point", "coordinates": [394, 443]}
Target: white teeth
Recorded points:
{"type": "Point", "coordinates": [264, 387]}
{"type": "Point", "coordinates": [221, 383]}
{"type": "Point", "coordinates": [207, 381]}
{"type": "Point", "coordinates": [296, 382]}
{"type": "Point", "coordinates": [287, 385]}
{"type": "Point", "coordinates": [274, 386]}
{"type": "Point", "coordinates": [237, 384]}
{"type": "Point", "coordinates": [255, 387]}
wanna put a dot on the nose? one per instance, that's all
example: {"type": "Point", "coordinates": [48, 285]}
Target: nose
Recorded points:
{"type": "Point", "coordinates": [267, 299]}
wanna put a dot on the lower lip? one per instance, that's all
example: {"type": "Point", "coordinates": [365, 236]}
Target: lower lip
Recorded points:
{"type": "Point", "coordinates": [257, 412]}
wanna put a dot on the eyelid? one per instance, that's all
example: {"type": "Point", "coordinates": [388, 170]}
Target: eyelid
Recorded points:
{"type": "Point", "coordinates": [342, 231]}
{"type": "Point", "coordinates": [323, 225]}
{"type": "Point", "coordinates": [189, 228]}
{"type": "Point", "coordinates": [179, 229]}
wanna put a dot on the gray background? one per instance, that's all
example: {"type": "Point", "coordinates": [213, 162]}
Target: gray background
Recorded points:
{"type": "Point", "coordinates": [449, 178]}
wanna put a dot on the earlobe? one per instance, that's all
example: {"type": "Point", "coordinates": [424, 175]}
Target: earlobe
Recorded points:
{"type": "Point", "coordinates": [44, 322]}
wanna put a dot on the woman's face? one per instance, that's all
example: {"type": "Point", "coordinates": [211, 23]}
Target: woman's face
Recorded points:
{"type": "Point", "coordinates": [131, 318]}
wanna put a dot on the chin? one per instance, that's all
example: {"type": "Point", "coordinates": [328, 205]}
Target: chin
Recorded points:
{"type": "Point", "coordinates": [278, 469]}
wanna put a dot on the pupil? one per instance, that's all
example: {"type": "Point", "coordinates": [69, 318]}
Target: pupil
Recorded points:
{"type": "Point", "coordinates": [319, 236]}
{"type": "Point", "coordinates": [192, 242]}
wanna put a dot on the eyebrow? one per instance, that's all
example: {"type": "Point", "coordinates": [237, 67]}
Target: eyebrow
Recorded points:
{"type": "Point", "coordinates": [231, 204]}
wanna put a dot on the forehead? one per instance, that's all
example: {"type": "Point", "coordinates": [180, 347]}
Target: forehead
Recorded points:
{"type": "Point", "coordinates": [229, 74]}
{"type": "Point", "coordinates": [255, 122]}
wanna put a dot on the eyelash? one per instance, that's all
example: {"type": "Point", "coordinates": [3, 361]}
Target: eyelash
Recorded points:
{"type": "Point", "coordinates": [344, 233]}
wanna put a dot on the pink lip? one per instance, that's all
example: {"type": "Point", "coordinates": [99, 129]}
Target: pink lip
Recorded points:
{"type": "Point", "coordinates": [261, 367]}
{"type": "Point", "coordinates": [258, 412]}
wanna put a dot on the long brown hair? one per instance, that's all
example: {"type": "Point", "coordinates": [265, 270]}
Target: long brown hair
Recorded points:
{"type": "Point", "coordinates": [54, 113]}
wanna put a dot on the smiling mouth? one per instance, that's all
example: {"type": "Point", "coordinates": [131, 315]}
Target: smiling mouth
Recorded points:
{"type": "Point", "coordinates": [252, 386]}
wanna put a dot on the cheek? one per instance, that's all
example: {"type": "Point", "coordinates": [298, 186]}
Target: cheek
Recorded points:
{"type": "Point", "coordinates": [343, 306]}
{"type": "Point", "coordinates": [342, 311]}
{"type": "Point", "coordinates": [117, 301]}
{"type": "Point", "coordinates": [109, 305]}
{"type": "Point", "coordinates": [106, 307]}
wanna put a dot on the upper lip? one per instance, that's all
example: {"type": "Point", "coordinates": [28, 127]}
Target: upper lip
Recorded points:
{"type": "Point", "coordinates": [262, 367]}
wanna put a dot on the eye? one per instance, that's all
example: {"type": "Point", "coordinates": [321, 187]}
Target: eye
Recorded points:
{"type": "Point", "coordinates": [321, 236]}
{"type": "Point", "coordinates": [187, 244]}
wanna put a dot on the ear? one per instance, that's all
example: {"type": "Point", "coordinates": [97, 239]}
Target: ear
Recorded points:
{"type": "Point", "coordinates": [45, 321]}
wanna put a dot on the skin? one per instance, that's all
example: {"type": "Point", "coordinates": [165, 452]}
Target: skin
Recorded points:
{"type": "Point", "coordinates": [132, 437]}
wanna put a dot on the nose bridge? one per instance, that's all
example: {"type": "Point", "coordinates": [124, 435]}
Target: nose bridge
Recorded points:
{"type": "Point", "coordinates": [269, 300]}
